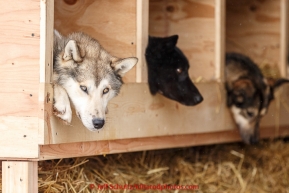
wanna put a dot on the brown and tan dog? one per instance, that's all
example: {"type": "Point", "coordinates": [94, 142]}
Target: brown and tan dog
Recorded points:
{"type": "Point", "coordinates": [248, 94]}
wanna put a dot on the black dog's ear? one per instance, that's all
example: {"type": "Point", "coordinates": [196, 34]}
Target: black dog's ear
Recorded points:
{"type": "Point", "coordinates": [171, 42]}
{"type": "Point", "coordinates": [157, 45]}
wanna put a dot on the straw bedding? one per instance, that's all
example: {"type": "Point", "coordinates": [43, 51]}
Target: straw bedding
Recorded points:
{"type": "Point", "coordinates": [219, 168]}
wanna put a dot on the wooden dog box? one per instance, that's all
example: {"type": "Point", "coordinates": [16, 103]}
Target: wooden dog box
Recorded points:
{"type": "Point", "coordinates": [136, 120]}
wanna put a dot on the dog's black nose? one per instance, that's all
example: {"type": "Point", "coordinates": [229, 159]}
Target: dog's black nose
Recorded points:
{"type": "Point", "coordinates": [97, 123]}
{"type": "Point", "coordinates": [198, 98]}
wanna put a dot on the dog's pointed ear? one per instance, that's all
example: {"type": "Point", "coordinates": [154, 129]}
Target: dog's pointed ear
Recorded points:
{"type": "Point", "coordinates": [71, 51]}
{"type": "Point", "coordinates": [122, 66]}
{"type": "Point", "coordinates": [171, 42]}
{"type": "Point", "coordinates": [276, 83]}
{"type": "Point", "coordinates": [57, 34]}
{"type": "Point", "coordinates": [272, 84]}
{"type": "Point", "coordinates": [158, 45]}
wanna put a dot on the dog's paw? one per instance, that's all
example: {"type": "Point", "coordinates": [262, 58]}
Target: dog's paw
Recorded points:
{"type": "Point", "coordinates": [61, 106]}
{"type": "Point", "coordinates": [63, 112]}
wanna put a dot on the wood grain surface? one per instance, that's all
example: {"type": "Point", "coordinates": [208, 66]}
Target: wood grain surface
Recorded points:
{"type": "Point", "coordinates": [194, 22]}
{"type": "Point", "coordinates": [253, 28]}
{"type": "Point", "coordinates": [112, 23]}
{"type": "Point", "coordinates": [19, 58]}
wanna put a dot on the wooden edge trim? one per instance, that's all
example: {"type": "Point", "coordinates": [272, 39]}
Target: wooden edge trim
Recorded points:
{"type": "Point", "coordinates": [139, 144]}
{"type": "Point", "coordinates": [220, 20]}
{"type": "Point", "coordinates": [283, 38]}
{"type": "Point", "coordinates": [142, 14]}
{"type": "Point", "coordinates": [92, 148]}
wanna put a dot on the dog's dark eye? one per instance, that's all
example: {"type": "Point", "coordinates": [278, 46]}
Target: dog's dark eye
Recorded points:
{"type": "Point", "coordinates": [238, 100]}
{"type": "Point", "coordinates": [83, 88]}
{"type": "Point", "coordinates": [179, 70]}
{"type": "Point", "coordinates": [239, 105]}
{"type": "Point", "coordinates": [105, 90]}
{"type": "Point", "coordinates": [250, 114]}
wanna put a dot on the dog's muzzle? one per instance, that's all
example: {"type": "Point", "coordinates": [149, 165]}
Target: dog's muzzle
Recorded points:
{"type": "Point", "coordinates": [97, 123]}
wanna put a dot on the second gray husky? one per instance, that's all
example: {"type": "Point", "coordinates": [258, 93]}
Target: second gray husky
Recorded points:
{"type": "Point", "coordinates": [88, 76]}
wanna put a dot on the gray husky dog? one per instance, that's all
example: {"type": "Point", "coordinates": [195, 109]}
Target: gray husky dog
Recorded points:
{"type": "Point", "coordinates": [248, 94]}
{"type": "Point", "coordinates": [88, 76]}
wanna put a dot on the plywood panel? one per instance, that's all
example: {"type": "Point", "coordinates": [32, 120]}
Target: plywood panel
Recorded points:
{"type": "Point", "coordinates": [284, 8]}
{"type": "Point", "coordinates": [142, 39]}
{"type": "Point", "coordinates": [139, 144]}
{"type": "Point", "coordinates": [112, 23]}
{"type": "Point", "coordinates": [19, 177]}
{"type": "Point", "coordinates": [283, 99]}
{"type": "Point", "coordinates": [253, 28]}
{"type": "Point", "coordinates": [46, 67]}
{"type": "Point", "coordinates": [19, 137]}
{"type": "Point", "coordinates": [19, 59]}
{"type": "Point", "coordinates": [220, 20]}
{"type": "Point", "coordinates": [194, 22]}
{"type": "Point", "coordinates": [137, 114]}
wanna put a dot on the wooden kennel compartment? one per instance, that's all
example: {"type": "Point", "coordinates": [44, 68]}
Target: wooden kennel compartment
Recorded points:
{"type": "Point", "coordinates": [136, 120]}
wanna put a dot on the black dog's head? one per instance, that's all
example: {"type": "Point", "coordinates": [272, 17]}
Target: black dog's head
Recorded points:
{"type": "Point", "coordinates": [168, 71]}
{"type": "Point", "coordinates": [248, 94]}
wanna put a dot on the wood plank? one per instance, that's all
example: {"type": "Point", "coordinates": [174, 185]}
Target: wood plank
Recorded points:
{"type": "Point", "coordinates": [194, 22]}
{"type": "Point", "coordinates": [142, 20]}
{"type": "Point", "coordinates": [19, 137]}
{"type": "Point", "coordinates": [220, 18]}
{"type": "Point", "coordinates": [46, 41]}
{"type": "Point", "coordinates": [19, 177]}
{"type": "Point", "coordinates": [282, 97]}
{"type": "Point", "coordinates": [93, 148]}
{"type": "Point", "coordinates": [45, 111]}
{"type": "Point", "coordinates": [284, 37]}
{"type": "Point", "coordinates": [19, 61]}
{"type": "Point", "coordinates": [253, 28]}
{"type": "Point", "coordinates": [46, 67]}
{"type": "Point", "coordinates": [137, 114]}
{"type": "Point", "coordinates": [112, 23]}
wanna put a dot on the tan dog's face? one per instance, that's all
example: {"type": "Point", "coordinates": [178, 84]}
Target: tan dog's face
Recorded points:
{"type": "Point", "coordinates": [90, 76]}
{"type": "Point", "coordinates": [248, 94]}
{"type": "Point", "coordinates": [249, 104]}
{"type": "Point", "coordinates": [247, 109]}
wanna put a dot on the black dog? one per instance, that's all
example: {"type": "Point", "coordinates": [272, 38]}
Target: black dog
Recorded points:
{"type": "Point", "coordinates": [168, 71]}
{"type": "Point", "coordinates": [248, 94]}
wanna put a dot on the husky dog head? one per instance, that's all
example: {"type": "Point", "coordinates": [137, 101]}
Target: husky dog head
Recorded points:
{"type": "Point", "coordinates": [248, 94]}
{"type": "Point", "coordinates": [89, 74]}
{"type": "Point", "coordinates": [168, 71]}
